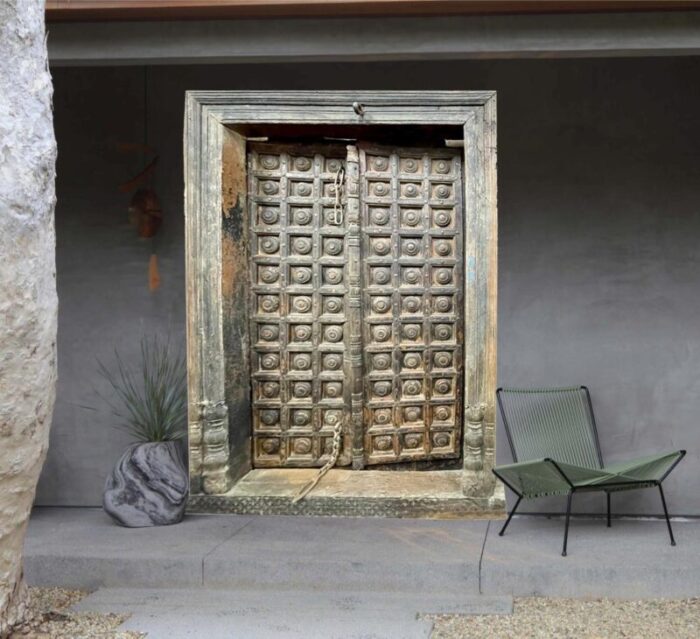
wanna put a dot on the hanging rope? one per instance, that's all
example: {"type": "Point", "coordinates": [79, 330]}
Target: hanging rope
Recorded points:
{"type": "Point", "coordinates": [311, 484]}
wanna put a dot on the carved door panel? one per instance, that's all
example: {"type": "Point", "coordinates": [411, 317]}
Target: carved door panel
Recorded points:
{"type": "Point", "coordinates": [357, 297]}
{"type": "Point", "coordinates": [299, 295]}
{"type": "Point", "coordinates": [411, 219]}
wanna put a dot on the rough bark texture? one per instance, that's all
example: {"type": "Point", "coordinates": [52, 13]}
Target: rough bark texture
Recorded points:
{"type": "Point", "coordinates": [28, 301]}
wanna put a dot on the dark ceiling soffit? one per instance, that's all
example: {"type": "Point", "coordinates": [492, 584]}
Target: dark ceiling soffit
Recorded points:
{"type": "Point", "coordinates": [113, 10]}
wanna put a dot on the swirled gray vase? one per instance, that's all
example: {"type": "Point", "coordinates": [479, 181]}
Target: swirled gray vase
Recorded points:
{"type": "Point", "coordinates": [148, 486]}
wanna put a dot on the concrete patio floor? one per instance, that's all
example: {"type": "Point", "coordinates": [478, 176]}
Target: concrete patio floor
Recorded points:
{"type": "Point", "coordinates": [353, 577]}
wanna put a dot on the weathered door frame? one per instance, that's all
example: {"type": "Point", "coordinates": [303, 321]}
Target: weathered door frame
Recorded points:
{"type": "Point", "coordinates": [215, 204]}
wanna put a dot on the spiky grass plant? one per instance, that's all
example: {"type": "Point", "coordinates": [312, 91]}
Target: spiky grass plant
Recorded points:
{"type": "Point", "coordinates": [150, 400]}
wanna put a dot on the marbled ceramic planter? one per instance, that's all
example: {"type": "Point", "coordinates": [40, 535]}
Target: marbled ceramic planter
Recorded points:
{"type": "Point", "coordinates": [148, 486]}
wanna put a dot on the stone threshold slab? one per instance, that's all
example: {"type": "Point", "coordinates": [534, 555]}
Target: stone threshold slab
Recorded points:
{"type": "Point", "coordinates": [347, 493]}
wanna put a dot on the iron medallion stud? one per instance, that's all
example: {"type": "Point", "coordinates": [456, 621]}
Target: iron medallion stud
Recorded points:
{"type": "Point", "coordinates": [411, 247]}
{"type": "Point", "coordinates": [412, 413]}
{"type": "Point", "coordinates": [412, 276]}
{"type": "Point", "coordinates": [381, 333]}
{"type": "Point", "coordinates": [381, 275]}
{"type": "Point", "coordinates": [333, 246]}
{"type": "Point", "coordinates": [302, 217]}
{"type": "Point", "coordinates": [412, 360]}
{"type": "Point", "coordinates": [269, 245]}
{"type": "Point", "coordinates": [269, 303]}
{"type": "Point", "coordinates": [270, 390]}
{"type": "Point", "coordinates": [381, 305]}
{"type": "Point", "coordinates": [442, 167]}
{"type": "Point", "coordinates": [442, 413]}
{"type": "Point", "coordinates": [411, 217]}
{"type": "Point", "coordinates": [301, 304]}
{"type": "Point", "coordinates": [301, 417]}
{"type": "Point", "coordinates": [380, 217]}
{"type": "Point", "coordinates": [443, 304]}
{"type": "Point", "coordinates": [443, 276]}
{"type": "Point", "coordinates": [382, 389]}
{"type": "Point", "coordinates": [412, 440]}
{"type": "Point", "coordinates": [333, 333]}
{"type": "Point", "coordinates": [443, 218]}
{"type": "Point", "coordinates": [269, 417]}
{"type": "Point", "coordinates": [269, 361]}
{"type": "Point", "coordinates": [333, 275]}
{"type": "Point", "coordinates": [302, 245]}
{"type": "Point", "coordinates": [301, 361]}
{"type": "Point", "coordinates": [302, 164]}
{"type": "Point", "coordinates": [269, 332]}
{"type": "Point", "coordinates": [440, 440]}
{"type": "Point", "coordinates": [443, 332]}
{"type": "Point", "coordinates": [382, 246]}
{"type": "Point", "coordinates": [383, 443]}
{"type": "Point", "coordinates": [269, 274]}
{"type": "Point", "coordinates": [412, 304]}
{"type": "Point", "coordinates": [442, 191]}
{"type": "Point", "coordinates": [302, 446]}
{"type": "Point", "coordinates": [443, 248]}
{"type": "Point", "coordinates": [269, 162]}
{"type": "Point", "coordinates": [269, 215]}
{"type": "Point", "coordinates": [333, 305]}
{"type": "Point", "coordinates": [269, 188]}
{"type": "Point", "coordinates": [412, 387]}
{"type": "Point", "coordinates": [381, 361]}
{"type": "Point", "coordinates": [302, 333]}
{"type": "Point", "coordinates": [333, 390]}
{"type": "Point", "coordinates": [270, 446]}
{"type": "Point", "coordinates": [382, 416]}
{"type": "Point", "coordinates": [332, 362]}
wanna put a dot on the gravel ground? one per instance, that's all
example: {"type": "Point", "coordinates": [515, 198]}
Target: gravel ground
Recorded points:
{"type": "Point", "coordinates": [533, 618]}
{"type": "Point", "coordinates": [539, 618]}
{"type": "Point", "coordinates": [51, 618]}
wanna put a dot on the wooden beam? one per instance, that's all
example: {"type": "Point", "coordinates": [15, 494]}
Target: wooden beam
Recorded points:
{"type": "Point", "coordinates": [109, 10]}
{"type": "Point", "coordinates": [280, 40]}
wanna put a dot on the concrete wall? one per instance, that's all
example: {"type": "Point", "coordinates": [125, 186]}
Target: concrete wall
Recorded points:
{"type": "Point", "coordinates": [599, 183]}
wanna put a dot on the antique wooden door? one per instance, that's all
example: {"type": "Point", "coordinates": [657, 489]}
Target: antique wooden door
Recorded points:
{"type": "Point", "coordinates": [412, 279]}
{"type": "Point", "coordinates": [357, 295]}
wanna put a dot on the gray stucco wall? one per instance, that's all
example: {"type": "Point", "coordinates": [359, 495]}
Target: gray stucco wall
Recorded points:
{"type": "Point", "coordinates": [599, 183]}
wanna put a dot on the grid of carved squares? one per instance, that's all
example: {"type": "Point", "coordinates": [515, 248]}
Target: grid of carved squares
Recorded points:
{"type": "Point", "coordinates": [411, 242]}
{"type": "Point", "coordinates": [299, 292]}
{"type": "Point", "coordinates": [411, 220]}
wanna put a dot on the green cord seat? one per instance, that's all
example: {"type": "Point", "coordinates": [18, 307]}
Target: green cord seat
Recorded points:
{"type": "Point", "coordinates": [554, 441]}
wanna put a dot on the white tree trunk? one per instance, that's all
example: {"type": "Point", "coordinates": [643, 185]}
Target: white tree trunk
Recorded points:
{"type": "Point", "coordinates": [28, 302]}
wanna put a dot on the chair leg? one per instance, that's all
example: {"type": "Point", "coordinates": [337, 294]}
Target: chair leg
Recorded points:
{"type": "Point", "coordinates": [566, 526]}
{"type": "Point", "coordinates": [668, 521]}
{"type": "Point", "coordinates": [608, 496]}
{"type": "Point", "coordinates": [512, 512]}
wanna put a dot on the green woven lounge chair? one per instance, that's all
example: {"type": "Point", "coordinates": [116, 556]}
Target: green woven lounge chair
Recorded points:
{"type": "Point", "coordinates": [554, 441]}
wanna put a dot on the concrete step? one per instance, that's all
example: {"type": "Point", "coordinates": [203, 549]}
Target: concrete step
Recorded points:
{"type": "Point", "coordinates": [631, 560]}
{"type": "Point", "coordinates": [83, 548]}
{"type": "Point", "coordinates": [266, 614]}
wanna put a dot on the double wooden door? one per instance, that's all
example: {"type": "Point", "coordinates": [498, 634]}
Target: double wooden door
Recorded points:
{"type": "Point", "coordinates": [357, 303]}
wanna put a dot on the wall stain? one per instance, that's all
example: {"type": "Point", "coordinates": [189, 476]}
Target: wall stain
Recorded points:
{"type": "Point", "coordinates": [233, 221]}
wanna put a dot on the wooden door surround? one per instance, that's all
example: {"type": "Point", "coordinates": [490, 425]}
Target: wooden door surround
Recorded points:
{"type": "Point", "coordinates": [221, 127]}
